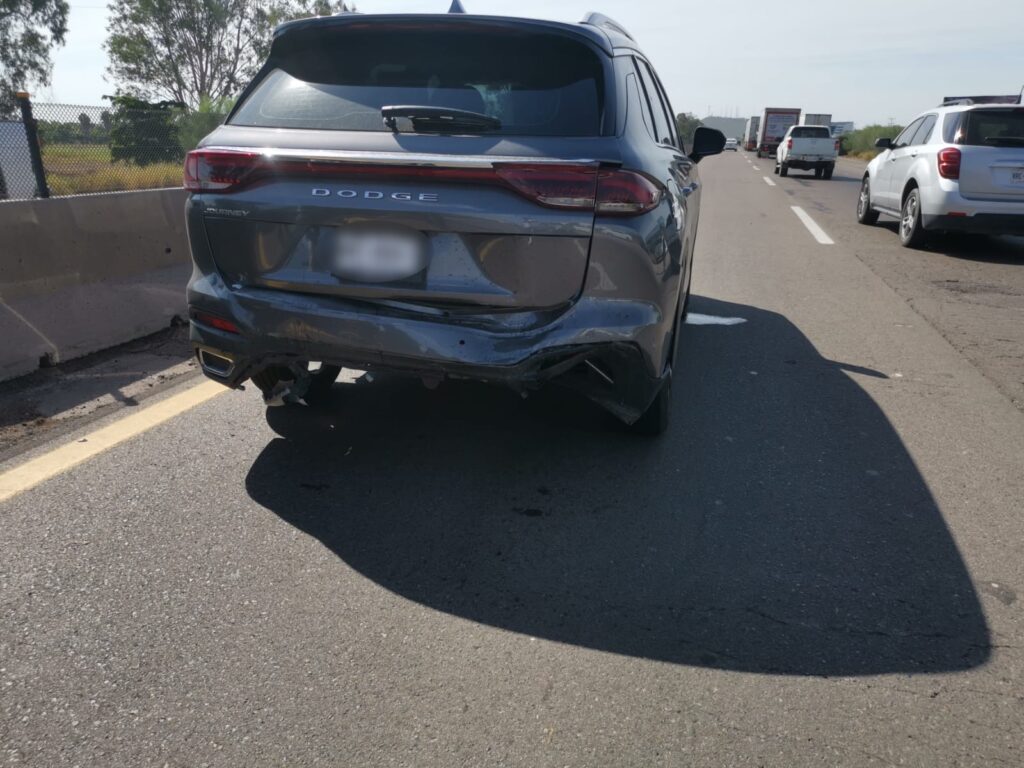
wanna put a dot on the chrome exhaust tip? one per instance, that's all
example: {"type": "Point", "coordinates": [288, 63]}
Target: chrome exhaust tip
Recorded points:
{"type": "Point", "coordinates": [215, 363]}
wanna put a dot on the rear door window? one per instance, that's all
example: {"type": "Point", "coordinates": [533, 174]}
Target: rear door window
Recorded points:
{"type": "Point", "coordinates": [924, 133]}
{"type": "Point", "coordinates": [669, 114]}
{"type": "Point", "coordinates": [645, 105]}
{"type": "Point", "coordinates": [662, 131]}
{"type": "Point", "coordinates": [903, 140]}
{"type": "Point", "coordinates": [338, 79]}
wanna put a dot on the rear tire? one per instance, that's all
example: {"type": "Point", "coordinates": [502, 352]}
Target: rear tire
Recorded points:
{"type": "Point", "coordinates": [828, 171]}
{"type": "Point", "coordinates": [865, 213]}
{"type": "Point", "coordinates": [656, 418]}
{"type": "Point", "coordinates": [775, 170]}
{"type": "Point", "coordinates": [783, 169]}
{"type": "Point", "coordinates": [912, 234]}
{"type": "Point", "coordinates": [819, 172]}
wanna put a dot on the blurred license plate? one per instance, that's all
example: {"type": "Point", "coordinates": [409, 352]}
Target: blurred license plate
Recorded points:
{"type": "Point", "coordinates": [378, 257]}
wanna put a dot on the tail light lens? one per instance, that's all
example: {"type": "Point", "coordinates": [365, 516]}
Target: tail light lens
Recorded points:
{"type": "Point", "coordinates": [605, 191]}
{"type": "Point", "coordinates": [552, 185]}
{"type": "Point", "coordinates": [836, 145]}
{"type": "Point", "coordinates": [210, 170]}
{"type": "Point", "coordinates": [626, 193]}
{"type": "Point", "coordinates": [949, 163]}
{"type": "Point", "coordinates": [789, 144]}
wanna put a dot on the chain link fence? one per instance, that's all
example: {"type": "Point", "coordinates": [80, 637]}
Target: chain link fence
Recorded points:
{"type": "Point", "coordinates": [88, 149]}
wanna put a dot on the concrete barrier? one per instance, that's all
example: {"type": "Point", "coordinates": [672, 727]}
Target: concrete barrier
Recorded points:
{"type": "Point", "coordinates": [80, 274]}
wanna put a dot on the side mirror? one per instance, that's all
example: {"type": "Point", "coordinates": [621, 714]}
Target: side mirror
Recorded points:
{"type": "Point", "coordinates": [883, 143]}
{"type": "Point", "coordinates": [706, 142]}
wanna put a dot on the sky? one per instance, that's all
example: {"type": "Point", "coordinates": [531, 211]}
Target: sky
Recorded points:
{"type": "Point", "coordinates": [873, 61]}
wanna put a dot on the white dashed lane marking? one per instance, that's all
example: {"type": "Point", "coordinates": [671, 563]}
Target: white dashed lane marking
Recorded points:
{"type": "Point", "coordinates": [812, 226]}
{"type": "Point", "coordinates": [768, 181]}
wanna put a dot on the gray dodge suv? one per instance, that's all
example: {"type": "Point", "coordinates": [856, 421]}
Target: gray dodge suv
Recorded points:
{"type": "Point", "coordinates": [504, 200]}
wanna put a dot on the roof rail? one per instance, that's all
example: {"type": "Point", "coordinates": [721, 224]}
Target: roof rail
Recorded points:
{"type": "Point", "coordinates": [600, 20]}
{"type": "Point", "coordinates": [953, 101]}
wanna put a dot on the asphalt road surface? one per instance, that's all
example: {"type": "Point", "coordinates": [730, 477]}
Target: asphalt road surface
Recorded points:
{"type": "Point", "coordinates": [820, 564]}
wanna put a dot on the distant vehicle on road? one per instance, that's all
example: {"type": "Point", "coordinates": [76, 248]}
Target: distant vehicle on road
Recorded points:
{"type": "Point", "coordinates": [409, 193]}
{"type": "Point", "coordinates": [731, 145]}
{"type": "Point", "coordinates": [750, 133]}
{"type": "Point", "coordinates": [956, 168]}
{"type": "Point", "coordinates": [808, 148]}
{"type": "Point", "coordinates": [773, 126]}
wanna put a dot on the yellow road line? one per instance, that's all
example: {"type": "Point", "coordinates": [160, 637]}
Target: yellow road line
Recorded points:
{"type": "Point", "coordinates": [60, 459]}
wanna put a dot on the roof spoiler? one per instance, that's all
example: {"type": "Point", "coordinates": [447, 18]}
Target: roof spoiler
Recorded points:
{"type": "Point", "coordinates": [601, 21]}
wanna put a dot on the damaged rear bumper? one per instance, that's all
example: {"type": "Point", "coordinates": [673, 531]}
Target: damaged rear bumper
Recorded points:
{"type": "Point", "coordinates": [610, 350]}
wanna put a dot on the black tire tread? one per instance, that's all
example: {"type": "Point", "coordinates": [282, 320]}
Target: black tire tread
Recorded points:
{"type": "Point", "coordinates": [870, 215]}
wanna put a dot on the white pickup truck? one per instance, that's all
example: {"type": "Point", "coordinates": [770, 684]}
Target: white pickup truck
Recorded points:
{"type": "Point", "coordinates": [809, 148]}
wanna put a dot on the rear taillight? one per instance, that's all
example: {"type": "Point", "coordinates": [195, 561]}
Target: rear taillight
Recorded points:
{"type": "Point", "coordinates": [208, 170]}
{"type": "Point", "coordinates": [583, 187]}
{"type": "Point", "coordinates": [617, 192]}
{"type": "Point", "coordinates": [625, 193]}
{"type": "Point", "coordinates": [789, 144]}
{"type": "Point", "coordinates": [949, 163]}
{"type": "Point", "coordinates": [835, 145]}
{"type": "Point", "coordinates": [553, 186]}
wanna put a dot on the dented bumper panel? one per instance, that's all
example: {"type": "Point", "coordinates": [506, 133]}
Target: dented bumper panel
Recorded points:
{"type": "Point", "coordinates": [610, 341]}
{"type": "Point", "coordinates": [516, 349]}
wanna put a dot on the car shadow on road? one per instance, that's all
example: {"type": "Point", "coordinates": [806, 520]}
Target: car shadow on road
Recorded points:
{"type": "Point", "coordinates": [966, 246]}
{"type": "Point", "coordinates": [807, 179]}
{"type": "Point", "coordinates": [780, 527]}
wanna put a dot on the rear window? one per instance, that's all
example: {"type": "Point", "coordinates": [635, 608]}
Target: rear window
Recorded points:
{"type": "Point", "coordinates": [810, 132]}
{"type": "Point", "coordinates": [991, 128]}
{"type": "Point", "coordinates": [535, 84]}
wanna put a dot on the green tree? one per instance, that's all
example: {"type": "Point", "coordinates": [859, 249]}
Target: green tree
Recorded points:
{"type": "Point", "coordinates": [29, 29]}
{"type": "Point", "coordinates": [194, 125]}
{"type": "Point", "coordinates": [686, 124]}
{"type": "Point", "coordinates": [862, 141]}
{"type": "Point", "coordinates": [142, 132]}
{"type": "Point", "coordinates": [188, 50]}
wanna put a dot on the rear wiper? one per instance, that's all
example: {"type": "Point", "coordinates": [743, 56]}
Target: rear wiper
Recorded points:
{"type": "Point", "coordinates": [426, 119]}
{"type": "Point", "coordinates": [1005, 141]}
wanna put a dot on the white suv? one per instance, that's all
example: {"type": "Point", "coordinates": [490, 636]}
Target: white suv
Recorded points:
{"type": "Point", "coordinates": [959, 167]}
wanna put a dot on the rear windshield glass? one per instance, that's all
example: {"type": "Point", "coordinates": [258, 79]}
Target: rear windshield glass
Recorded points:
{"type": "Point", "coordinates": [809, 132]}
{"type": "Point", "coordinates": [535, 84]}
{"type": "Point", "coordinates": [992, 128]}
